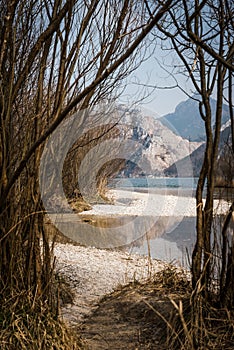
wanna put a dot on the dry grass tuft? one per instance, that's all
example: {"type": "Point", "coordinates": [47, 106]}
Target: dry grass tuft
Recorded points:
{"type": "Point", "coordinates": [191, 322]}
{"type": "Point", "coordinates": [30, 324]}
{"type": "Point", "coordinates": [194, 323]}
{"type": "Point", "coordinates": [172, 280]}
{"type": "Point", "coordinates": [36, 328]}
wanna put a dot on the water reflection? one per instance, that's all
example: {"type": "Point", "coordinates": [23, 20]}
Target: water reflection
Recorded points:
{"type": "Point", "coordinates": [169, 238]}
{"type": "Point", "coordinates": [163, 237]}
{"type": "Point", "coordinates": [174, 246]}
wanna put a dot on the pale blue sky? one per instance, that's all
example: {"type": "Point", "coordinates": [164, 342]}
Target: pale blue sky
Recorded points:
{"type": "Point", "coordinates": [160, 101]}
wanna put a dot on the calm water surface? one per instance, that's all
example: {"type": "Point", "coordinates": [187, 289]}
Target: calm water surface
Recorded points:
{"type": "Point", "coordinates": [168, 238]}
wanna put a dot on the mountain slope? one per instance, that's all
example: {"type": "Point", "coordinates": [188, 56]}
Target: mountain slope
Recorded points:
{"type": "Point", "coordinates": [225, 166]}
{"type": "Point", "coordinates": [158, 147]}
{"type": "Point", "coordinates": [187, 122]}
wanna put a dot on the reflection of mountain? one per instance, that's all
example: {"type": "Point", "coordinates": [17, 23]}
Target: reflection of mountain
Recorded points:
{"type": "Point", "coordinates": [187, 122]}
{"type": "Point", "coordinates": [124, 231]}
{"type": "Point", "coordinates": [165, 244]}
{"type": "Point", "coordinates": [183, 235]}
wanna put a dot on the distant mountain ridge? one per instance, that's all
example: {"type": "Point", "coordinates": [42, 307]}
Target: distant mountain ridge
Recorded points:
{"type": "Point", "coordinates": [172, 138]}
{"type": "Point", "coordinates": [225, 165]}
{"type": "Point", "coordinates": [160, 146]}
{"type": "Point", "coordinates": [187, 122]}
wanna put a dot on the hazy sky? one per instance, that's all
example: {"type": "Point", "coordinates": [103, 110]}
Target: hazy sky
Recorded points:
{"type": "Point", "coordinates": [160, 101]}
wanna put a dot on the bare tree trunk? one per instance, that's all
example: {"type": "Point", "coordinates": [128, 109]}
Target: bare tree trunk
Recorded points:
{"type": "Point", "coordinates": [201, 35]}
{"type": "Point", "coordinates": [55, 58]}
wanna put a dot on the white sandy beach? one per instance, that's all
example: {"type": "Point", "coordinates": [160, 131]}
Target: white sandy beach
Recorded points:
{"type": "Point", "coordinates": [150, 204]}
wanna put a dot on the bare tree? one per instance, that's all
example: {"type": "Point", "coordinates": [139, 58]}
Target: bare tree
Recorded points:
{"type": "Point", "coordinates": [201, 34]}
{"type": "Point", "coordinates": [55, 58]}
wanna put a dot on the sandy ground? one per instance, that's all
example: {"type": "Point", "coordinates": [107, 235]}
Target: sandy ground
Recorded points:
{"type": "Point", "coordinates": [94, 273]}
{"type": "Point", "coordinates": [151, 203]}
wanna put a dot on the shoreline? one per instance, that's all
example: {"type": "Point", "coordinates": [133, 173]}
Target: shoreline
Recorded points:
{"type": "Point", "coordinates": [142, 202]}
{"type": "Point", "coordinates": [173, 191]}
{"type": "Point", "coordinates": [138, 221]}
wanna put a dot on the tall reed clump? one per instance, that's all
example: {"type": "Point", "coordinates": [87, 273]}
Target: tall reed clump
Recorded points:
{"type": "Point", "coordinates": [200, 320]}
{"type": "Point", "coordinates": [25, 327]}
{"type": "Point", "coordinates": [197, 325]}
{"type": "Point", "coordinates": [30, 291]}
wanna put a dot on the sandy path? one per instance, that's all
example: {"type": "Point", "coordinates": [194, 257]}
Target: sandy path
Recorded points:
{"type": "Point", "coordinates": [94, 273]}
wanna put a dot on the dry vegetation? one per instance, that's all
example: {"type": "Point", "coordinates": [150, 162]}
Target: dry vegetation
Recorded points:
{"type": "Point", "coordinates": [28, 324]}
{"type": "Point", "coordinates": [57, 58]}
{"type": "Point", "coordinates": [158, 314]}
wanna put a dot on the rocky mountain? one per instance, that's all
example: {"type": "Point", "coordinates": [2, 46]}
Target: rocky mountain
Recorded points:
{"type": "Point", "coordinates": [225, 166]}
{"type": "Point", "coordinates": [186, 120]}
{"type": "Point", "coordinates": [167, 151]}
{"type": "Point", "coordinates": [157, 147]}
{"type": "Point", "coordinates": [195, 160]}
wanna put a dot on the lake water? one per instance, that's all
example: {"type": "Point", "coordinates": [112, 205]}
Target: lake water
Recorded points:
{"type": "Point", "coordinates": [156, 182]}
{"type": "Point", "coordinates": [177, 244]}
{"type": "Point", "coordinates": [169, 238]}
